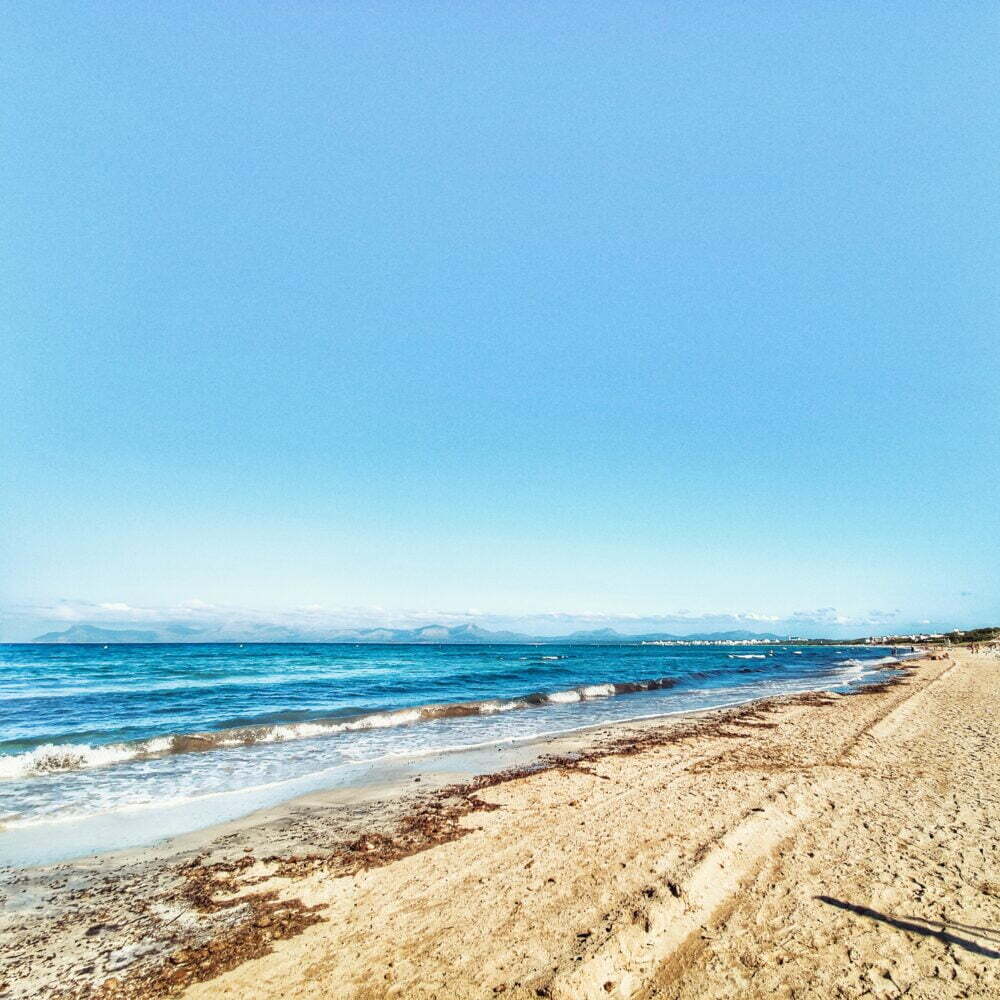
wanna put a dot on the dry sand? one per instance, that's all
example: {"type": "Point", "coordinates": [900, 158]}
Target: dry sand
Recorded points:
{"type": "Point", "coordinates": [806, 847]}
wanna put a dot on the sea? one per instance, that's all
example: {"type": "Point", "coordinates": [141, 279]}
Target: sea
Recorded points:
{"type": "Point", "coordinates": [109, 747]}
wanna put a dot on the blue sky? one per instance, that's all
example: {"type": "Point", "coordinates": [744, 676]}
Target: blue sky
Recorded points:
{"type": "Point", "coordinates": [591, 311]}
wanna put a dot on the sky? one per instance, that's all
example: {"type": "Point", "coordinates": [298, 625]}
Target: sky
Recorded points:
{"type": "Point", "coordinates": [549, 314]}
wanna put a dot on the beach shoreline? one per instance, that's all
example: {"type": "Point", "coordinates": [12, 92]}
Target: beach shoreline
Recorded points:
{"type": "Point", "coordinates": [396, 782]}
{"type": "Point", "coordinates": [111, 749]}
{"type": "Point", "coordinates": [194, 819]}
{"type": "Point", "coordinates": [303, 869]}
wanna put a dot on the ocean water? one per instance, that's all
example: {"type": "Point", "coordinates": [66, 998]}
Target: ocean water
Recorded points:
{"type": "Point", "coordinates": [117, 735]}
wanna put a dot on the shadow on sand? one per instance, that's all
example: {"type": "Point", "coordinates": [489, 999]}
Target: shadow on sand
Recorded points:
{"type": "Point", "coordinates": [940, 929]}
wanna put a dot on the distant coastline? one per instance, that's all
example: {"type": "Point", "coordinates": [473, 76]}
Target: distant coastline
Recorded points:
{"type": "Point", "coordinates": [84, 634]}
{"type": "Point", "coordinates": [427, 634]}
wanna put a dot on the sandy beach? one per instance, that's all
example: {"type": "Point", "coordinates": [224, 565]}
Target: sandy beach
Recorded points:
{"type": "Point", "coordinates": [808, 846]}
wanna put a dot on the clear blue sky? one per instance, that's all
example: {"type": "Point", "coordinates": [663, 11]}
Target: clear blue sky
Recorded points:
{"type": "Point", "coordinates": [614, 308]}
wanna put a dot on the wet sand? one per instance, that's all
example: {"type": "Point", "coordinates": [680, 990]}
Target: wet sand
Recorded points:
{"type": "Point", "coordinates": [813, 846]}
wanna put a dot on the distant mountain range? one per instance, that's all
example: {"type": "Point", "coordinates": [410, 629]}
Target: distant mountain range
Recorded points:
{"type": "Point", "coordinates": [456, 634]}
{"type": "Point", "coordinates": [91, 633]}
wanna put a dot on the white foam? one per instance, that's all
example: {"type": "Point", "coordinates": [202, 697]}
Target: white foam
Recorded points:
{"type": "Point", "coordinates": [597, 691]}
{"type": "Point", "coordinates": [748, 656]}
{"type": "Point", "coordinates": [54, 757]}
{"type": "Point", "coordinates": [305, 730]}
{"type": "Point", "coordinates": [57, 757]}
{"type": "Point", "coordinates": [882, 661]}
{"type": "Point", "coordinates": [563, 697]}
{"type": "Point", "coordinates": [492, 707]}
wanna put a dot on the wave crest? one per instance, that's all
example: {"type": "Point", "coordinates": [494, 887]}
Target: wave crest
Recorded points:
{"type": "Point", "coordinates": [52, 757]}
{"type": "Point", "coordinates": [880, 662]}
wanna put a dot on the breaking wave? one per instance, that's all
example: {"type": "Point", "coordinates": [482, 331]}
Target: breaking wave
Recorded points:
{"type": "Point", "coordinates": [54, 758]}
{"type": "Point", "coordinates": [881, 662]}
